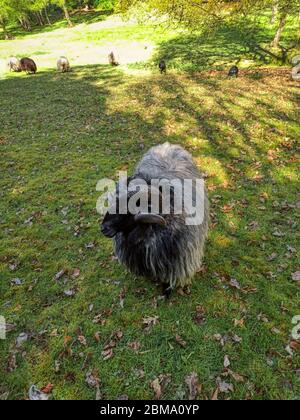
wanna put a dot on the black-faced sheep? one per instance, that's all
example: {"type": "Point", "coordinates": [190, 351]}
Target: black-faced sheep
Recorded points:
{"type": "Point", "coordinates": [14, 64]}
{"type": "Point", "coordinates": [161, 245]}
{"type": "Point", "coordinates": [233, 72]}
{"type": "Point", "coordinates": [63, 65]}
{"type": "Point", "coordinates": [163, 66]}
{"type": "Point", "coordinates": [28, 65]}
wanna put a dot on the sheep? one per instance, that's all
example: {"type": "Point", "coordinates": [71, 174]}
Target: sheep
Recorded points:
{"type": "Point", "coordinates": [14, 65]}
{"type": "Point", "coordinates": [28, 65]}
{"type": "Point", "coordinates": [160, 246]}
{"type": "Point", "coordinates": [112, 59]}
{"type": "Point", "coordinates": [163, 66]}
{"type": "Point", "coordinates": [63, 65]}
{"type": "Point", "coordinates": [296, 73]}
{"type": "Point", "coordinates": [233, 72]}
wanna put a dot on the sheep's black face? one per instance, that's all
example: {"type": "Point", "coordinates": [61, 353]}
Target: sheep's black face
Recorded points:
{"type": "Point", "coordinates": [115, 223]}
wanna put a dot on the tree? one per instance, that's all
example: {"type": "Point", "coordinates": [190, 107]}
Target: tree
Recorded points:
{"type": "Point", "coordinates": [63, 4]}
{"type": "Point", "coordinates": [208, 14]}
{"type": "Point", "coordinates": [5, 12]}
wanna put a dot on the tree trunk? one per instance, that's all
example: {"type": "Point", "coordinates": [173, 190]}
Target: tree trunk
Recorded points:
{"type": "Point", "coordinates": [67, 15]}
{"type": "Point", "coordinates": [275, 11]}
{"type": "Point", "coordinates": [24, 21]}
{"type": "Point", "coordinates": [42, 17]}
{"type": "Point", "coordinates": [38, 19]}
{"type": "Point", "coordinates": [47, 16]}
{"type": "Point", "coordinates": [277, 38]}
{"type": "Point", "coordinates": [3, 25]}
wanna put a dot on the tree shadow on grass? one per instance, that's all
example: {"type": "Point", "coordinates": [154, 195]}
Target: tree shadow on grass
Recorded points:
{"type": "Point", "coordinates": [228, 44]}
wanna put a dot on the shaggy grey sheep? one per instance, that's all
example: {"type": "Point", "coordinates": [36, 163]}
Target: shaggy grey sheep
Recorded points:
{"type": "Point", "coordinates": [157, 245]}
{"type": "Point", "coordinates": [63, 65]}
{"type": "Point", "coordinates": [296, 73]}
{"type": "Point", "coordinates": [14, 64]}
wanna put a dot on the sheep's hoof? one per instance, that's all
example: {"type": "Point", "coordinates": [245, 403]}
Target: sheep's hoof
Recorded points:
{"type": "Point", "coordinates": [167, 290]}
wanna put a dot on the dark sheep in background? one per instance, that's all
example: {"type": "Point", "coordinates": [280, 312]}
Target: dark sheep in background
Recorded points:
{"type": "Point", "coordinates": [14, 64]}
{"type": "Point", "coordinates": [112, 60]}
{"type": "Point", "coordinates": [161, 247]}
{"type": "Point", "coordinates": [233, 72]}
{"type": "Point", "coordinates": [28, 65]}
{"type": "Point", "coordinates": [163, 67]}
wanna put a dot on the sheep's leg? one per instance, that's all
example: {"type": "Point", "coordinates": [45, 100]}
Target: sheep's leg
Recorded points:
{"type": "Point", "coordinates": [167, 291]}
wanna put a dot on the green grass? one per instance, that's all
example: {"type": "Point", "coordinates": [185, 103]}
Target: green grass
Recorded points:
{"type": "Point", "coordinates": [59, 135]}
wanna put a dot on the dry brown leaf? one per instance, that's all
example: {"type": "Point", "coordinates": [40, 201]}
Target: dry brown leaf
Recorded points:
{"type": "Point", "coordinates": [82, 340]}
{"type": "Point", "coordinates": [180, 341]}
{"type": "Point", "coordinates": [107, 354]}
{"type": "Point", "coordinates": [150, 322]}
{"type": "Point", "coordinates": [47, 389]}
{"type": "Point", "coordinates": [194, 387]}
{"type": "Point", "coordinates": [296, 276]}
{"type": "Point", "coordinates": [135, 345]}
{"type": "Point", "coordinates": [155, 385]}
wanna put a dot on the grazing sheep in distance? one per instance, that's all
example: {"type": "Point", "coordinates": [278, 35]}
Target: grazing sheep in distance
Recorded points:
{"type": "Point", "coordinates": [63, 65]}
{"type": "Point", "coordinates": [161, 247]}
{"type": "Point", "coordinates": [14, 64]}
{"type": "Point", "coordinates": [112, 59]}
{"type": "Point", "coordinates": [233, 72]}
{"type": "Point", "coordinates": [28, 65]}
{"type": "Point", "coordinates": [163, 66]}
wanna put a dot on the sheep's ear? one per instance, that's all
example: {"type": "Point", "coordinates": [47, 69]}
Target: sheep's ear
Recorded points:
{"type": "Point", "coordinates": [150, 219]}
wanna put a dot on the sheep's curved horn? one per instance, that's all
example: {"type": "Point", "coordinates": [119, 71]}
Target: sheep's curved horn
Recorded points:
{"type": "Point", "coordinates": [149, 218]}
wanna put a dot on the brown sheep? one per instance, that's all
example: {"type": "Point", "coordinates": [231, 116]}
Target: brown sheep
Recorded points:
{"type": "Point", "coordinates": [28, 65]}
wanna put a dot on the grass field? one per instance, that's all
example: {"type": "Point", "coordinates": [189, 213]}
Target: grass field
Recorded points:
{"type": "Point", "coordinates": [59, 135]}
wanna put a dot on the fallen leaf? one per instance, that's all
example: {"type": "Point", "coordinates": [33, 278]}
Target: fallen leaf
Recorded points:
{"type": "Point", "coordinates": [215, 396]}
{"type": "Point", "coordinates": [296, 276]}
{"type": "Point", "coordinates": [92, 379]}
{"type": "Point", "coordinates": [199, 318]}
{"type": "Point", "coordinates": [135, 346]}
{"type": "Point", "coordinates": [150, 322]}
{"type": "Point", "coordinates": [82, 340]}
{"type": "Point", "coordinates": [76, 273]}
{"type": "Point", "coordinates": [16, 282]}
{"type": "Point", "coordinates": [238, 378]}
{"type": "Point", "coordinates": [235, 284]}
{"type": "Point", "coordinates": [226, 362]}
{"type": "Point", "coordinates": [60, 274]}
{"type": "Point", "coordinates": [194, 387]}
{"type": "Point", "coordinates": [70, 292]}
{"type": "Point", "coordinates": [47, 389]}
{"type": "Point", "coordinates": [180, 341]}
{"type": "Point", "coordinates": [155, 385]}
{"type": "Point", "coordinates": [107, 354]}
{"type": "Point", "coordinates": [123, 398]}
{"type": "Point", "coordinates": [224, 387]}
{"type": "Point", "coordinates": [11, 363]}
